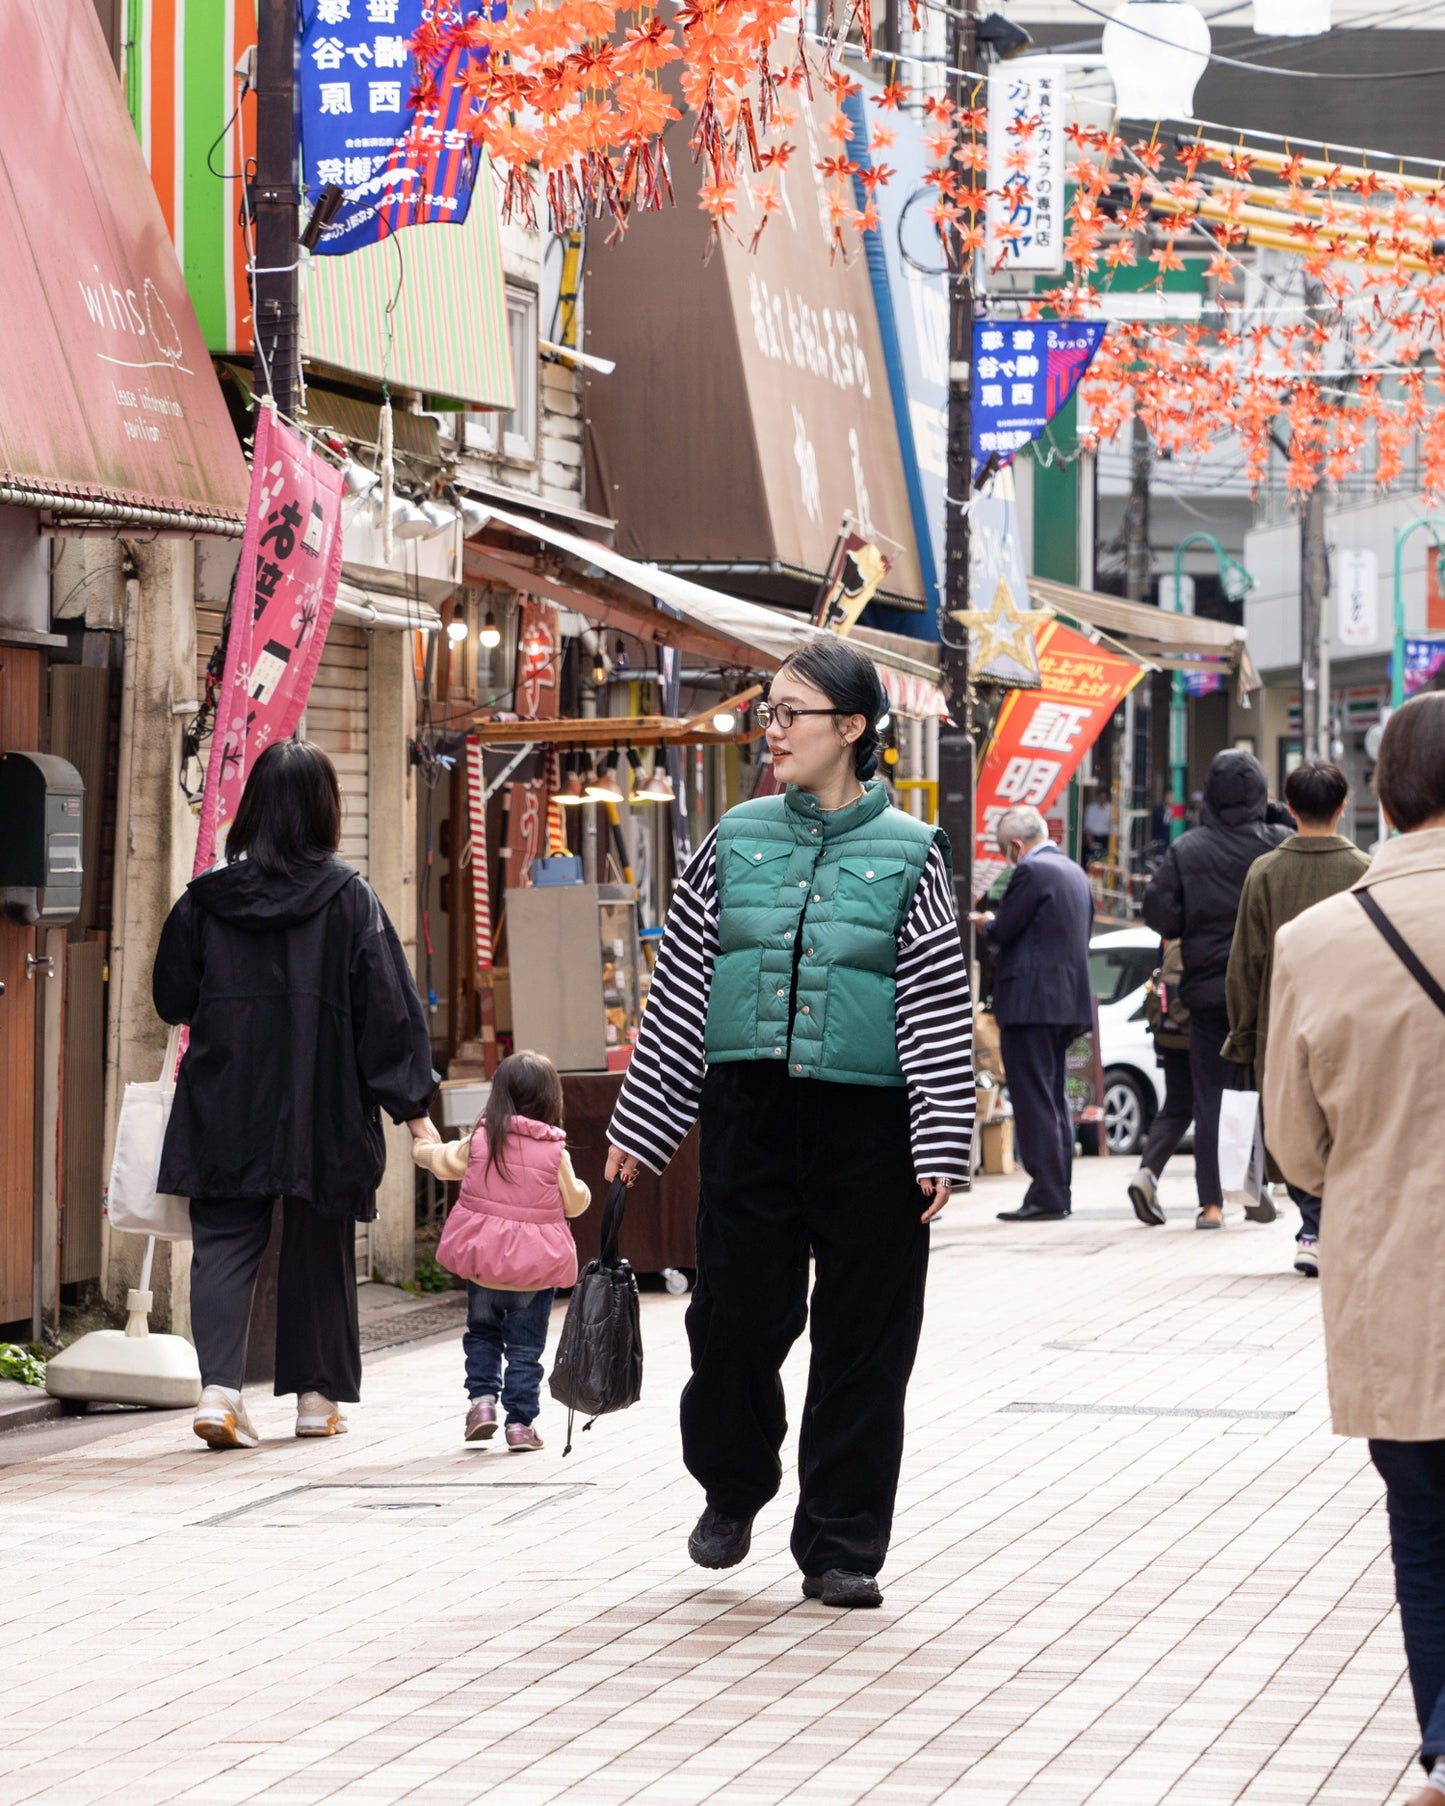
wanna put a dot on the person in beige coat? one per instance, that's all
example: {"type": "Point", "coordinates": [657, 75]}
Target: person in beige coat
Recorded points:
{"type": "Point", "coordinates": [1352, 1090]}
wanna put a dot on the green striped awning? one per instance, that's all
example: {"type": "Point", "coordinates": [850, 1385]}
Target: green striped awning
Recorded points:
{"type": "Point", "coordinates": [449, 329]}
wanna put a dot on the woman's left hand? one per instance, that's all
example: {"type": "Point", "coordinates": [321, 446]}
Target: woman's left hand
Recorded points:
{"type": "Point", "coordinates": [423, 1129]}
{"type": "Point", "coordinates": [940, 1190]}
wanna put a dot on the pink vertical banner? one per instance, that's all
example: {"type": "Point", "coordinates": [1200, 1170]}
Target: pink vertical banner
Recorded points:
{"type": "Point", "coordinates": [481, 880]}
{"type": "Point", "coordinates": [284, 599]}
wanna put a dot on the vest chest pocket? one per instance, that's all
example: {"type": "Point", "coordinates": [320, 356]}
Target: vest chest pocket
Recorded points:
{"type": "Point", "coordinates": [869, 890]}
{"type": "Point", "coordinates": [755, 874]}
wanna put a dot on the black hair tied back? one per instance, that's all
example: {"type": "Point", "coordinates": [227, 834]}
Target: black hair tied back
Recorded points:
{"type": "Point", "coordinates": [849, 679]}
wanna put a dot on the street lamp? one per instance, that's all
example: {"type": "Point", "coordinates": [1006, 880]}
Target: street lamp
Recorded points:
{"type": "Point", "coordinates": [1397, 661]}
{"type": "Point", "coordinates": [1237, 583]}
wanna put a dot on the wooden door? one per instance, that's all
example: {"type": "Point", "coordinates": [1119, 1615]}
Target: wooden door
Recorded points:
{"type": "Point", "coordinates": [20, 673]}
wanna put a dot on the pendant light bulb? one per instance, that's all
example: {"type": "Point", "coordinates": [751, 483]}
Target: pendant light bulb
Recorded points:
{"type": "Point", "coordinates": [491, 634]}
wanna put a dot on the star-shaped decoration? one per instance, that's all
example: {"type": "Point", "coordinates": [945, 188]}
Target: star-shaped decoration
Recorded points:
{"type": "Point", "coordinates": [1003, 627]}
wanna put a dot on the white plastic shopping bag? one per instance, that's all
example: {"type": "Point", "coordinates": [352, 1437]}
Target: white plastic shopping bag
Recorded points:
{"type": "Point", "coordinates": [1241, 1148]}
{"type": "Point", "coordinates": [132, 1202]}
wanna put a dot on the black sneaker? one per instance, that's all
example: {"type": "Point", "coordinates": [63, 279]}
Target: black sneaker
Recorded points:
{"type": "Point", "coordinates": [839, 1588]}
{"type": "Point", "coordinates": [718, 1541]}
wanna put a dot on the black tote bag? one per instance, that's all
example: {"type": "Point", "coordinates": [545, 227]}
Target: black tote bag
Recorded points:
{"type": "Point", "coordinates": [599, 1355]}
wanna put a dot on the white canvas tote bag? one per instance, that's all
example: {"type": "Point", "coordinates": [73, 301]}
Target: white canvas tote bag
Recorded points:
{"type": "Point", "coordinates": [132, 1202]}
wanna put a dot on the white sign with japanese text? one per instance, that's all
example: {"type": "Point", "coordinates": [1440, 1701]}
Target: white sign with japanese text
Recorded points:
{"type": "Point", "coordinates": [1025, 221]}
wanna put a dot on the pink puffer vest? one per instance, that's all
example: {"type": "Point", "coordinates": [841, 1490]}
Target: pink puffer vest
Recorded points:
{"type": "Point", "coordinates": [509, 1230]}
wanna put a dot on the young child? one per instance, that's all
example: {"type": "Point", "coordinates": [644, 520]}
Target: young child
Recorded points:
{"type": "Point", "coordinates": [507, 1236]}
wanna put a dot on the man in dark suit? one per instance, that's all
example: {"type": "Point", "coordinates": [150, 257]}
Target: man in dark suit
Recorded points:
{"type": "Point", "coordinates": [1042, 1000]}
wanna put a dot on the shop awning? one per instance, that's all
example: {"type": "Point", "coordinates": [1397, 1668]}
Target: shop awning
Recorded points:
{"type": "Point", "coordinates": [111, 410]}
{"type": "Point", "coordinates": [1174, 642]}
{"type": "Point", "coordinates": [427, 311]}
{"type": "Point", "coordinates": [668, 610]}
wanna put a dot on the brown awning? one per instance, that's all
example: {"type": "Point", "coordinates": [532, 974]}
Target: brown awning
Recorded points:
{"type": "Point", "coordinates": [1174, 642]}
{"type": "Point", "coordinates": [109, 407]}
{"type": "Point", "coordinates": [750, 407]}
{"type": "Point", "coordinates": [668, 610]}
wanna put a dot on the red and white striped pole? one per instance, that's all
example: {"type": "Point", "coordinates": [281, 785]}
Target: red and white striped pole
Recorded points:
{"type": "Point", "coordinates": [481, 884]}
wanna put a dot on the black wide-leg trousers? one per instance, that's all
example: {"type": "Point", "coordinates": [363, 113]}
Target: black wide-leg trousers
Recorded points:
{"type": "Point", "coordinates": [792, 1168]}
{"type": "Point", "coordinates": [318, 1335]}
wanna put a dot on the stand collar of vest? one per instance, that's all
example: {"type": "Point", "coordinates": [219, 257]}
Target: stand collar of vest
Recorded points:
{"type": "Point", "coordinates": [803, 807]}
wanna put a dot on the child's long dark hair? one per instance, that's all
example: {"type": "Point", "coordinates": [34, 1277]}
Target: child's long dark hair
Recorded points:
{"type": "Point", "coordinates": [525, 1084]}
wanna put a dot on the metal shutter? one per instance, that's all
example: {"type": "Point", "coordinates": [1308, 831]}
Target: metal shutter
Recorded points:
{"type": "Point", "coordinates": [337, 719]}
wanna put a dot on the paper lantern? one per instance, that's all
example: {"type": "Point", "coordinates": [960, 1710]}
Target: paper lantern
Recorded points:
{"type": "Point", "coordinates": [1156, 51]}
{"type": "Point", "coordinates": [1291, 18]}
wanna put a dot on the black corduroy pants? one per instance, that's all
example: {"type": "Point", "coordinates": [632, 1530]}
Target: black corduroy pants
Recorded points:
{"type": "Point", "coordinates": [318, 1335]}
{"type": "Point", "coordinates": [793, 1168]}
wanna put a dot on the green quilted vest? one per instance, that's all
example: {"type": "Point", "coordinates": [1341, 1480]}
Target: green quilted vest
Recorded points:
{"type": "Point", "coordinates": [810, 905]}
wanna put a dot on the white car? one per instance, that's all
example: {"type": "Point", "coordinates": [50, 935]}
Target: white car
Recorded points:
{"type": "Point", "coordinates": [1121, 962]}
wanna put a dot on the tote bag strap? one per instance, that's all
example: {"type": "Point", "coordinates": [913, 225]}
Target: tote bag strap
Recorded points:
{"type": "Point", "coordinates": [612, 1213]}
{"type": "Point", "coordinates": [173, 1053]}
{"type": "Point", "coordinates": [1408, 958]}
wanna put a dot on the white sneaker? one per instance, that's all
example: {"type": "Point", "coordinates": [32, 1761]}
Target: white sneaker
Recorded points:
{"type": "Point", "coordinates": [221, 1420]}
{"type": "Point", "coordinates": [1307, 1256]}
{"type": "Point", "coordinates": [317, 1415]}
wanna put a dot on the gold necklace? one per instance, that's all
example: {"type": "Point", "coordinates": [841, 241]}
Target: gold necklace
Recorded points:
{"type": "Point", "coordinates": [838, 808]}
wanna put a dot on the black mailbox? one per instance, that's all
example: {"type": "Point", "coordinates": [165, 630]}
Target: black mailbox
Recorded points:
{"type": "Point", "coordinates": [42, 799]}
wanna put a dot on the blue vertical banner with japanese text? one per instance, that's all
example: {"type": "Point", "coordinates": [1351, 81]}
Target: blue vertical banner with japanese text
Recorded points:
{"type": "Point", "coordinates": [1024, 371]}
{"type": "Point", "coordinates": [374, 125]}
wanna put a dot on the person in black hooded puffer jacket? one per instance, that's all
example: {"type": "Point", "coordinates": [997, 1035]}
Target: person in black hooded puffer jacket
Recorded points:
{"type": "Point", "coordinates": [1194, 898]}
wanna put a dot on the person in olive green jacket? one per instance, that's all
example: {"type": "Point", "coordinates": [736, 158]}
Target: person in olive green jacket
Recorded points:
{"type": "Point", "coordinates": [1315, 863]}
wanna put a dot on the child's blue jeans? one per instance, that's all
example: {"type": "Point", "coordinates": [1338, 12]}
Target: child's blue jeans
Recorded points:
{"type": "Point", "coordinates": [510, 1325]}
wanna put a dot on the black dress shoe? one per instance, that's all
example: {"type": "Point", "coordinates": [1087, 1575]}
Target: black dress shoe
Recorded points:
{"type": "Point", "coordinates": [719, 1542]}
{"type": "Point", "coordinates": [1031, 1213]}
{"type": "Point", "coordinates": [839, 1588]}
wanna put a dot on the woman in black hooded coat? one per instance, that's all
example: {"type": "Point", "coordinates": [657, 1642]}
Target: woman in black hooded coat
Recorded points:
{"type": "Point", "coordinates": [304, 1025]}
{"type": "Point", "coordinates": [1194, 898]}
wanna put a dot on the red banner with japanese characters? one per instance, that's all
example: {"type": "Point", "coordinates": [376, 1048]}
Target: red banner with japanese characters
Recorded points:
{"type": "Point", "coordinates": [280, 612]}
{"type": "Point", "coordinates": [1041, 735]}
{"type": "Point", "coordinates": [539, 649]}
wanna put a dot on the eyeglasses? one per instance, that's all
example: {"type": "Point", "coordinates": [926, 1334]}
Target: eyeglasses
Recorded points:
{"type": "Point", "coordinates": [785, 715]}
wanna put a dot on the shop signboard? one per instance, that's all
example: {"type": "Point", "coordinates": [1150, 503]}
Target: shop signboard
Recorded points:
{"type": "Point", "coordinates": [280, 611]}
{"type": "Point", "coordinates": [1041, 735]}
{"type": "Point", "coordinates": [751, 409]}
{"type": "Point", "coordinates": [910, 290]}
{"type": "Point", "coordinates": [1025, 221]}
{"type": "Point", "coordinates": [396, 164]}
{"type": "Point", "coordinates": [1424, 660]}
{"type": "Point", "coordinates": [109, 393]}
{"type": "Point", "coordinates": [1024, 372]}
{"type": "Point", "coordinates": [1356, 576]}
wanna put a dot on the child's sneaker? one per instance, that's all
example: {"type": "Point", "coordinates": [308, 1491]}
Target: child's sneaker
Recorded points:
{"type": "Point", "coordinates": [521, 1438]}
{"type": "Point", "coordinates": [1307, 1256]}
{"type": "Point", "coordinates": [317, 1415]}
{"type": "Point", "coordinates": [482, 1419]}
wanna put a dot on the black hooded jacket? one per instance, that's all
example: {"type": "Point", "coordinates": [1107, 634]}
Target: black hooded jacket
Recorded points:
{"type": "Point", "coordinates": [1195, 893]}
{"type": "Point", "coordinates": [305, 1024]}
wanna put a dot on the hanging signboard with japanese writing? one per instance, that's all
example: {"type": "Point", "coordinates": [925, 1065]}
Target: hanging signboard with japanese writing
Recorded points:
{"type": "Point", "coordinates": [1041, 735]}
{"type": "Point", "coordinates": [1024, 371]}
{"type": "Point", "coordinates": [280, 612]}
{"type": "Point", "coordinates": [394, 145]}
{"type": "Point", "coordinates": [1424, 660]}
{"type": "Point", "coordinates": [539, 647]}
{"type": "Point", "coordinates": [1025, 221]}
{"type": "Point", "coordinates": [1357, 595]}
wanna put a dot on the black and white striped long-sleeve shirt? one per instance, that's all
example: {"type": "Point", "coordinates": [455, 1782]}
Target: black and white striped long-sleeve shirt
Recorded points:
{"type": "Point", "coordinates": [660, 1095]}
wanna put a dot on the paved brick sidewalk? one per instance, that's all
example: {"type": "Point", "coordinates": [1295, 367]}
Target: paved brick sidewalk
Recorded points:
{"type": "Point", "coordinates": [1127, 1546]}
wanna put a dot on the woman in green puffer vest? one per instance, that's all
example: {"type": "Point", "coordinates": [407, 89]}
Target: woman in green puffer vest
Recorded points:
{"type": "Point", "coordinates": [810, 1008]}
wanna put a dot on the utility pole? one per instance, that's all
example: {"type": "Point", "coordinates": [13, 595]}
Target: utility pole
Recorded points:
{"type": "Point", "coordinates": [955, 744]}
{"type": "Point", "coordinates": [274, 205]}
{"type": "Point", "coordinates": [1314, 583]}
{"type": "Point", "coordinates": [1136, 765]}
